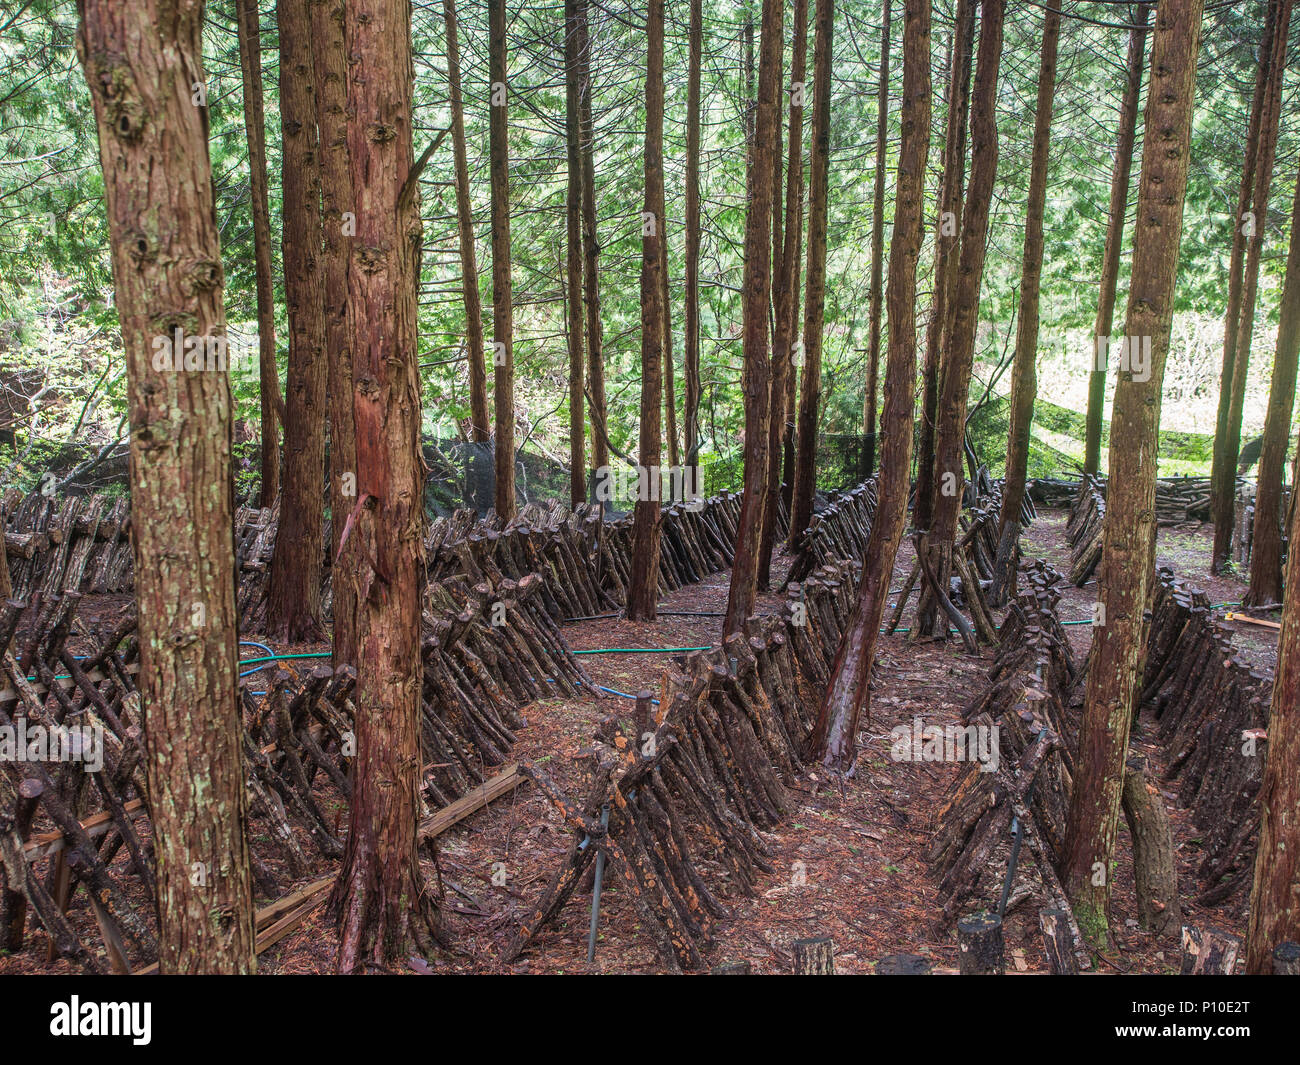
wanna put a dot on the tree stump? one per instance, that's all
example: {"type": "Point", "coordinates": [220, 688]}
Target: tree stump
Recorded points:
{"type": "Point", "coordinates": [1286, 959]}
{"type": "Point", "coordinates": [903, 965]}
{"type": "Point", "coordinates": [1208, 952]}
{"type": "Point", "coordinates": [979, 941]}
{"type": "Point", "coordinates": [814, 957]}
{"type": "Point", "coordinates": [1057, 942]}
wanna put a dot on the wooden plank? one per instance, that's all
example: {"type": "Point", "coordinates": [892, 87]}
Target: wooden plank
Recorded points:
{"type": "Point", "coordinates": [507, 780]}
{"type": "Point", "coordinates": [10, 695]}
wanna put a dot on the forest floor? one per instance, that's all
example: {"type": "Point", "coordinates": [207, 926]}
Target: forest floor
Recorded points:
{"type": "Point", "coordinates": [848, 858]}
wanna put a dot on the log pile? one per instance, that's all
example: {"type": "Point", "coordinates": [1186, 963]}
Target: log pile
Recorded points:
{"type": "Point", "coordinates": [1085, 530]}
{"type": "Point", "coordinates": [1243, 523]}
{"type": "Point", "coordinates": [1026, 796]}
{"type": "Point", "coordinates": [1211, 712]}
{"type": "Point", "coordinates": [80, 543]}
{"type": "Point", "coordinates": [840, 531]}
{"type": "Point", "coordinates": [1178, 499]}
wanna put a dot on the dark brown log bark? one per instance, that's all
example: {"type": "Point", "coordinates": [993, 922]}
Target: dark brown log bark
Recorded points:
{"type": "Point", "coordinates": [1130, 506]}
{"type": "Point", "coordinates": [1024, 372]}
{"type": "Point", "coordinates": [946, 246]}
{"type": "Point", "coordinates": [503, 348]}
{"type": "Point", "coordinates": [293, 613]}
{"type": "Point", "coordinates": [1119, 185]}
{"type": "Point", "coordinates": [757, 374]}
{"type": "Point", "coordinates": [1249, 225]}
{"type": "Point", "coordinates": [643, 586]}
{"type": "Point", "coordinates": [591, 254]}
{"type": "Point", "coordinates": [480, 420]}
{"type": "Point", "coordinates": [142, 64]}
{"type": "Point", "coordinates": [805, 461]}
{"type": "Point", "coordinates": [248, 28]}
{"type": "Point", "coordinates": [573, 257]}
{"type": "Point", "coordinates": [835, 733]}
{"type": "Point", "coordinates": [691, 266]}
{"type": "Point", "coordinates": [1155, 864]}
{"type": "Point", "coordinates": [337, 226]}
{"type": "Point", "coordinates": [1274, 908]}
{"type": "Point", "coordinates": [381, 906]}
{"type": "Point", "coordinates": [1266, 538]}
{"type": "Point", "coordinates": [877, 254]}
{"type": "Point", "coordinates": [785, 288]}
{"type": "Point", "coordinates": [947, 477]}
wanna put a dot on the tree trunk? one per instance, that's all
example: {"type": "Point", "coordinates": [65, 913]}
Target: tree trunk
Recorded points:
{"type": "Point", "coordinates": [1119, 185]}
{"type": "Point", "coordinates": [946, 245]}
{"type": "Point", "coordinates": [503, 353]}
{"type": "Point", "coordinates": [877, 253]}
{"type": "Point", "coordinates": [1024, 373]}
{"type": "Point", "coordinates": [248, 27]}
{"type": "Point", "coordinates": [786, 287]}
{"type": "Point", "coordinates": [805, 461]}
{"type": "Point", "coordinates": [954, 382]}
{"type": "Point", "coordinates": [643, 582]}
{"type": "Point", "coordinates": [1266, 540]}
{"type": "Point", "coordinates": [573, 272]}
{"type": "Point", "coordinates": [691, 266]}
{"type": "Point", "coordinates": [382, 908]}
{"type": "Point", "coordinates": [848, 693]}
{"type": "Point", "coordinates": [757, 375]}
{"type": "Point", "coordinates": [1248, 238]}
{"type": "Point", "coordinates": [142, 66]}
{"type": "Point", "coordinates": [1274, 905]}
{"type": "Point", "coordinates": [1129, 537]}
{"type": "Point", "coordinates": [337, 221]}
{"type": "Point", "coordinates": [480, 423]}
{"type": "Point", "coordinates": [591, 254]}
{"type": "Point", "coordinates": [293, 612]}
{"type": "Point", "coordinates": [670, 387]}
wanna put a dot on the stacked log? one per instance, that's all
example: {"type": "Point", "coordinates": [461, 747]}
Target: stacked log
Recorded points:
{"type": "Point", "coordinates": [1211, 712]}
{"type": "Point", "coordinates": [1178, 499]}
{"type": "Point", "coordinates": [839, 531]}
{"type": "Point", "coordinates": [1085, 529]}
{"type": "Point", "coordinates": [1027, 794]}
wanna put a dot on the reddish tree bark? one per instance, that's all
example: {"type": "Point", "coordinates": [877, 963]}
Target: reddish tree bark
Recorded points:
{"type": "Point", "coordinates": [573, 257]}
{"type": "Point", "coordinates": [946, 246]}
{"type": "Point", "coordinates": [877, 254]}
{"type": "Point", "coordinates": [142, 64]}
{"type": "Point", "coordinates": [691, 265]}
{"type": "Point", "coordinates": [1266, 539]}
{"type": "Point", "coordinates": [379, 900]}
{"type": "Point", "coordinates": [647, 522]}
{"type": "Point", "coordinates": [503, 354]}
{"type": "Point", "coordinates": [805, 461]}
{"type": "Point", "coordinates": [293, 611]}
{"type": "Point", "coordinates": [1119, 184]}
{"type": "Point", "coordinates": [1129, 536]}
{"type": "Point", "coordinates": [757, 374]}
{"type": "Point", "coordinates": [591, 254]}
{"type": "Point", "coordinates": [480, 420]}
{"type": "Point", "coordinates": [1024, 372]}
{"type": "Point", "coordinates": [849, 692]}
{"type": "Point", "coordinates": [786, 288]}
{"type": "Point", "coordinates": [248, 28]}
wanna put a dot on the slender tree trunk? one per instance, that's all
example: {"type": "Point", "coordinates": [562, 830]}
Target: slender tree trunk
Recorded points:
{"type": "Point", "coordinates": [848, 693]}
{"type": "Point", "coordinates": [142, 65]}
{"type": "Point", "coordinates": [480, 420]}
{"type": "Point", "coordinates": [946, 246]}
{"type": "Point", "coordinates": [381, 905]}
{"type": "Point", "coordinates": [757, 374]}
{"type": "Point", "coordinates": [785, 287]}
{"type": "Point", "coordinates": [1129, 537]}
{"type": "Point", "coordinates": [573, 273]}
{"type": "Point", "coordinates": [1266, 541]}
{"type": "Point", "coordinates": [248, 27]}
{"type": "Point", "coordinates": [643, 583]}
{"type": "Point", "coordinates": [1223, 474]}
{"type": "Point", "coordinates": [337, 222]}
{"type": "Point", "coordinates": [950, 415]}
{"type": "Point", "coordinates": [691, 266]}
{"type": "Point", "coordinates": [877, 253]}
{"type": "Point", "coordinates": [1222, 500]}
{"type": "Point", "coordinates": [1119, 185]}
{"type": "Point", "coordinates": [805, 463]}
{"type": "Point", "coordinates": [670, 388]}
{"type": "Point", "coordinates": [591, 253]}
{"type": "Point", "coordinates": [1274, 906]}
{"type": "Point", "coordinates": [1024, 372]}
{"type": "Point", "coordinates": [503, 355]}
{"type": "Point", "coordinates": [293, 612]}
